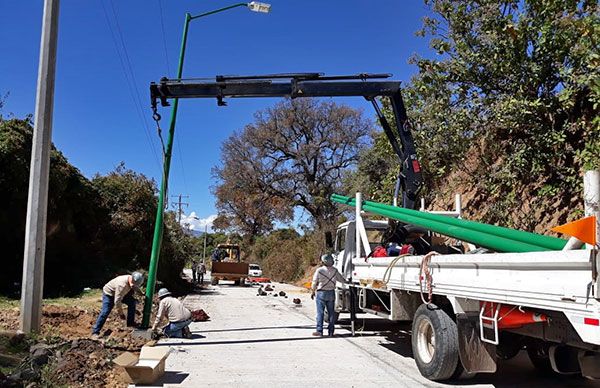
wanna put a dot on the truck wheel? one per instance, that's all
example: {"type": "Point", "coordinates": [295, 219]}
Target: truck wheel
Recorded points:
{"type": "Point", "coordinates": [214, 281]}
{"type": "Point", "coordinates": [434, 343]}
{"type": "Point", "coordinates": [539, 354]}
{"type": "Point", "coordinates": [236, 282]}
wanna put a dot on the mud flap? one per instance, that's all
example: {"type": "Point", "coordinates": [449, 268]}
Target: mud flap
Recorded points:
{"type": "Point", "coordinates": [475, 355]}
{"type": "Point", "coordinates": [590, 364]}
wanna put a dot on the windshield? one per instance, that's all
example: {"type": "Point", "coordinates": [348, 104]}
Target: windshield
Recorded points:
{"type": "Point", "coordinates": [254, 266]}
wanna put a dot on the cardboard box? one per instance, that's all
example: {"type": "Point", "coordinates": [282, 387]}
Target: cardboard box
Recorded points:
{"type": "Point", "coordinates": [146, 368]}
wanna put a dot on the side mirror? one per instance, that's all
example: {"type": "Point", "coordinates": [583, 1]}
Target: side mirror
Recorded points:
{"type": "Point", "coordinates": [329, 240]}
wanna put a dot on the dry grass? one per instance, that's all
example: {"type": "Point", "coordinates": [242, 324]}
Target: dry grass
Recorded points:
{"type": "Point", "coordinates": [86, 299]}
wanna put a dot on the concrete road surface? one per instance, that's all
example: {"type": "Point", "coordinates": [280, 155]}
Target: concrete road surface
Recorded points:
{"type": "Point", "coordinates": [253, 341]}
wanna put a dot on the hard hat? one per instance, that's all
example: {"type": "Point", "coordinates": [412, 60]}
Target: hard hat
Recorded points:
{"type": "Point", "coordinates": [327, 259]}
{"type": "Point", "coordinates": [137, 278]}
{"type": "Point", "coordinates": [163, 292]}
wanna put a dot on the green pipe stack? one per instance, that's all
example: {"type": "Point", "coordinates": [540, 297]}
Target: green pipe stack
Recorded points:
{"type": "Point", "coordinates": [493, 237]}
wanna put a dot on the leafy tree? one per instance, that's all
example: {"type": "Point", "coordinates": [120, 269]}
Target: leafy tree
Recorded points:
{"type": "Point", "coordinates": [71, 261]}
{"type": "Point", "coordinates": [96, 229]}
{"type": "Point", "coordinates": [510, 99]}
{"type": "Point", "coordinates": [131, 200]}
{"type": "Point", "coordinates": [294, 154]}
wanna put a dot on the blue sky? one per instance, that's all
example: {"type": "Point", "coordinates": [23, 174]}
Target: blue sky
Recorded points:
{"type": "Point", "coordinates": [102, 114]}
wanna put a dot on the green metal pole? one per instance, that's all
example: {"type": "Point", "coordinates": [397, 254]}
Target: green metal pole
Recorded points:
{"type": "Point", "coordinates": [486, 240]}
{"type": "Point", "coordinates": [159, 225]}
{"type": "Point", "coordinates": [551, 243]}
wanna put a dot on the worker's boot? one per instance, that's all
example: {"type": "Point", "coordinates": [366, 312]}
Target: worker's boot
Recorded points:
{"type": "Point", "coordinates": [186, 332]}
{"type": "Point", "coordinates": [317, 334]}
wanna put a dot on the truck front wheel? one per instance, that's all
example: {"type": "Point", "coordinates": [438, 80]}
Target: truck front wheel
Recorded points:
{"type": "Point", "coordinates": [434, 343]}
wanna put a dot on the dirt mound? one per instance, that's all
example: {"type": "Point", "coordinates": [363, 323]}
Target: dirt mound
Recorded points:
{"type": "Point", "coordinates": [73, 359]}
{"type": "Point", "coordinates": [85, 363]}
{"type": "Point", "coordinates": [200, 316]}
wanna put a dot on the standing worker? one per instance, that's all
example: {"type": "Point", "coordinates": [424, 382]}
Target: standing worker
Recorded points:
{"type": "Point", "coordinates": [195, 270]}
{"type": "Point", "coordinates": [323, 284]}
{"type": "Point", "coordinates": [201, 272]}
{"type": "Point", "coordinates": [116, 292]}
{"type": "Point", "coordinates": [179, 316]}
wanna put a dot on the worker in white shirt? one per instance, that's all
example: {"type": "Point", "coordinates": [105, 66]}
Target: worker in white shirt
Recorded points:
{"type": "Point", "coordinates": [178, 315]}
{"type": "Point", "coordinates": [116, 292]}
{"type": "Point", "coordinates": [323, 286]}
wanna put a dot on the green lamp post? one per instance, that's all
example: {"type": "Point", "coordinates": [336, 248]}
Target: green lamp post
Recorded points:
{"type": "Point", "coordinates": [158, 227]}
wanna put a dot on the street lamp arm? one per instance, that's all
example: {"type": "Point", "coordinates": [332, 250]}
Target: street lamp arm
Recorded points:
{"type": "Point", "coordinates": [218, 10]}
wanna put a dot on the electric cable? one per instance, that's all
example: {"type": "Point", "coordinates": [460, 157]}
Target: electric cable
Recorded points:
{"type": "Point", "coordinates": [130, 87]}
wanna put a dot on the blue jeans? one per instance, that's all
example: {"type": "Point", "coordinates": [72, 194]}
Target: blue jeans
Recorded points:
{"type": "Point", "coordinates": [173, 329]}
{"type": "Point", "coordinates": [326, 299]}
{"type": "Point", "coordinates": [108, 302]}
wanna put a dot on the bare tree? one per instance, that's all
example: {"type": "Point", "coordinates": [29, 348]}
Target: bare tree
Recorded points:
{"type": "Point", "coordinates": [296, 152]}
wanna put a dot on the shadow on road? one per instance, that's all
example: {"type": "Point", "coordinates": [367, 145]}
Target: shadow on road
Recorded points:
{"type": "Point", "coordinates": [169, 377]}
{"type": "Point", "coordinates": [250, 341]}
{"type": "Point", "coordinates": [258, 328]}
{"type": "Point", "coordinates": [396, 337]}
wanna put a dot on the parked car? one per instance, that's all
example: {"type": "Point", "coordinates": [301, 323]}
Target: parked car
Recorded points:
{"type": "Point", "coordinates": [255, 270]}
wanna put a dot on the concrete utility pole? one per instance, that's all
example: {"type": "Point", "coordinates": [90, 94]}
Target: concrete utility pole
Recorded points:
{"type": "Point", "coordinates": [37, 203]}
{"type": "Point", "coordinates": [179, 204]}
{"type": "Point", "coordinates": [204, 251]}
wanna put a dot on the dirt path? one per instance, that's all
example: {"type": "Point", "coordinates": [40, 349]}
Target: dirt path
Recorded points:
{"type": "Point", "coordinates": [266, 341]}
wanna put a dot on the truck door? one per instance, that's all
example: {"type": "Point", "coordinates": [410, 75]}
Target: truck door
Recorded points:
{"type": "Point", "coordinates": [342, 250]}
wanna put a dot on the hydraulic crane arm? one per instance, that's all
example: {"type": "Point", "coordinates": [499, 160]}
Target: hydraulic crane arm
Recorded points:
{"type": "Point", "coordinates": [296, 85]}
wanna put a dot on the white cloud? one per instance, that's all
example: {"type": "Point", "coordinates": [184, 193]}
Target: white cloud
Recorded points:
{"type": "Point", "coordinates": [195, 223]}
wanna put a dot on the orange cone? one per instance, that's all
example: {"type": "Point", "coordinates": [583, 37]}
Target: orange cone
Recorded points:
{"type": "Point", "coordinates": [583, 229]}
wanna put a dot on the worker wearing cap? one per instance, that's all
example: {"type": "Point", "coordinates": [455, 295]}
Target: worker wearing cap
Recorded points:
{"type": "Point", "coordinates": [201, 272]}
{"type": "Point", "coordinates": [323, 285]}
{"type": "Point", "coordinates": [178, 315]}
{"type": "Point", "coordinates": [116, 292]}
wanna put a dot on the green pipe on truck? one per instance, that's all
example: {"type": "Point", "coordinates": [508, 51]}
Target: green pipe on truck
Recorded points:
{"type": "Point", "coordinates": [458, 228]}
{"type": "Point", "coordinates": [551, 243]}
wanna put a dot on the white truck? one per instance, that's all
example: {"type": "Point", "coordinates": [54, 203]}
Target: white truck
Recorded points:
{"type": "Point", "coordinates": [469, 310]}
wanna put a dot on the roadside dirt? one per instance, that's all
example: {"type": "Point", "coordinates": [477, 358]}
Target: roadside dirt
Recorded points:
{"type": "Point", "coordinates": [72, 358]}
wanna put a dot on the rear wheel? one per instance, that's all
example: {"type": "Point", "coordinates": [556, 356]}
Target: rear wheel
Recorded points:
{"type": "Point", "coordinates": [434, 343]}
{"type": "Point", "coordinates": [214, 281]}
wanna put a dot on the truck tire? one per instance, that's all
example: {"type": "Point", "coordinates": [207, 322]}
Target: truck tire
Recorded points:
{"type": "Point", "coordinates": [236, 282]}
{"type": "Point", "coordinates": [539, 354]}
{"type": "Point", "coordinates": [214, 281]}
{"type": "Point", "coordinates": [434, 343]}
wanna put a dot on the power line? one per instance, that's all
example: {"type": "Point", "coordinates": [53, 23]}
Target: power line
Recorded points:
{"type": "Point", "coordinates": [162, 28]}
{"type": "Point", "coordinates": [180, 153]}
{"type": "Point", "coordinates": [131, 87]}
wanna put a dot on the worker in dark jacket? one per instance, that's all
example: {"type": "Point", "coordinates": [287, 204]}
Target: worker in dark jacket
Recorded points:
{"type": "Point", "coordinates": [323, 286]}
{"type": "Point", "coordinates": [195, 270]}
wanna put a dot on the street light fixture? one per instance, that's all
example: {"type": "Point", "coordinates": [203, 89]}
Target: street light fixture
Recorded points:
{"type": "Point", "coordinates": [257, 6]}
{"type": "Point", "coordinates": [254, 6]}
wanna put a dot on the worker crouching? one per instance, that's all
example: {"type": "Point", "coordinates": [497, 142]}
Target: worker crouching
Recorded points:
{"type": "Point", "coordinates": [323, 285]}
{"type": "Point", "coordinates": [178, 315]}
{"type": "Point", "coordinates": [116, 292]}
